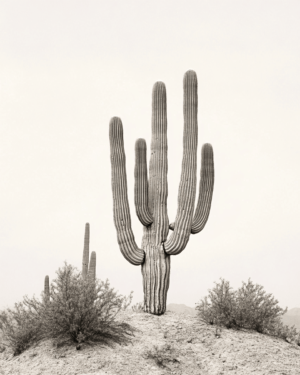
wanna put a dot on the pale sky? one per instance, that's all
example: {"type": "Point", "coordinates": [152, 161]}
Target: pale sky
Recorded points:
{"type": "Point", "coordinates": [67, 67]}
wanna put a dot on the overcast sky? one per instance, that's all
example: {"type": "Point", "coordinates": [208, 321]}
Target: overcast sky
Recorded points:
{"type": "Point", "coordinates": [67, 67]}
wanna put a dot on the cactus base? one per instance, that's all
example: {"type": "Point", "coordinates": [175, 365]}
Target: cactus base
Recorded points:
{"type": "Point", "coordinates": [156, 279]}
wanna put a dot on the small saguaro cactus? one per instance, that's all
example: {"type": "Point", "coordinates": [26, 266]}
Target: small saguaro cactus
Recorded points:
{"type": "Point", "coordinates": [88, 269]}
{"type": "Point", "coordinates": [92, 266]}
{"type": "Point", "coordinates": [86, 250]}
{"type": "Point", "coordinates": [151, 195]}
{"type": "Point", "coordinates": [46, 289]}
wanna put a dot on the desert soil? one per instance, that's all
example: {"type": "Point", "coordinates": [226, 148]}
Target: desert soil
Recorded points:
{"type": "Point", "coordinates": [195, 350]}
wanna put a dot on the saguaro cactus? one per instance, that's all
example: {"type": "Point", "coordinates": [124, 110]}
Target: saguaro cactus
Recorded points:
{"type": "Point", "coordinates": [151, 196]}
{"type": "Point", "coordinates": [86, 250]}
{"type": "Point", "coordinates": [92, 266]}
{"type": "Point", "coordinates": [46, 289]}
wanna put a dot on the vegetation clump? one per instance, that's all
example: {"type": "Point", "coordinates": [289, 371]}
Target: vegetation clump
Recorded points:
{"type": "Point", "coordinates": [162, 355]}
{"type": "Point", "coordinates": [138, 307]}
{"type": "Point", "coordinates": [20, 328]}
{"type": "Point", "coordinates": [249, 307]}
{"type": "Point", "coordinates": [77, 309]}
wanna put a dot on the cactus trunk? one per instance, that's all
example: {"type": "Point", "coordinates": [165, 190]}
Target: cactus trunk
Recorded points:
{"type": "Point", "coordinates": [151, 195]}
{"type": "Point", "coordinates": [156, 275]}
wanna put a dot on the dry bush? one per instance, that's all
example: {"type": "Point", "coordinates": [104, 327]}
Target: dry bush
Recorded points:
{"type": "Point", "coordinates": [84, 310]}
{"type": "Point", "coordinates": [20, 328]}
{"type": "Point", "coordinates": [79, 311]}
{"type": "Point", "coordinates": [297, 339]}
{"type": "Point", "coordinates": [218, 308]}
{"type": "Point", "coordinates": [250, 307]}
{"type": "Point", "coordinates": [256, 309]}
{"type": "Point", "coordinates": [287, 333]}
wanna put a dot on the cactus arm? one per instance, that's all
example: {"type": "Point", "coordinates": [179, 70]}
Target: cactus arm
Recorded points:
{"type": "Point", "coordinates": [206, 188]}
{"type": "Point", "coordinates": [46, 288]}
{"type": "Point", "coordinates": [86, 250]}
{"type": "Point", "coordinates": [141, 183]}
{"type": "Point", "coordinates": [158, 167]}
{"type": "Point", "coordinates": [187, 188]}
{"type": "Point", "coordinates": [92, 266]}
{"type": "Point", "coordinates": [122, 220]}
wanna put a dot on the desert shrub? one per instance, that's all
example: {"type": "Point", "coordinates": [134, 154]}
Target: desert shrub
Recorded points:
{"type": "Point", "coordinates": [256, 309]}
{"type": "Point", "coordinates": [83, 310]}
{"type": "Point", "coordinates": [162, 355]}
{"type": "Point", "coordinates": [20, 328]}
{"type": "Point", "coordinates": [138, 307]}
{"type": "Point", "coordinates": [283, 331]}
{"type": "Point", "coordinates": [78, 310]}
{"type": "Point", "coordinates": [218, 308]}
{"type": "Point", "coordinates": [205, 312]}
{"type": "Point", "coordinates": [297, 339]}
{"type": "Point", "coordinates": [249, 307]}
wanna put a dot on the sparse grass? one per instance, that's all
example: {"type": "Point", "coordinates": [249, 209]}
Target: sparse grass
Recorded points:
{"type": "Point", "coordinates": [162, 355]}
{"type": "Point", "coordinates": [138, 307]}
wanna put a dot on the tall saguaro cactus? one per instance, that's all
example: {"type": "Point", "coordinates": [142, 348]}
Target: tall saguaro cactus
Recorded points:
{"type": "Point", "coordinates": [151, 195]}
{"type": "Point", "coordinates": [86, 250]}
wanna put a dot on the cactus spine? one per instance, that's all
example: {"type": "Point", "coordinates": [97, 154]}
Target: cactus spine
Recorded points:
{"type": "Point", "coordinates": [46, 289]}
{"type": "Point", "coordinates": [86, 250]}
{"type": "Point", "coordinates": [151, 195]}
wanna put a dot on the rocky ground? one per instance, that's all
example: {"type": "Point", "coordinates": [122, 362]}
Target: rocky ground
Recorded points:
{"type": "Point", "coordinates": [168, 344]}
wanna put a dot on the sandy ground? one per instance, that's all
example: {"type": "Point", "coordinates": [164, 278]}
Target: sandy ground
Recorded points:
{"type": "Point", "coordinates": [194, 349]}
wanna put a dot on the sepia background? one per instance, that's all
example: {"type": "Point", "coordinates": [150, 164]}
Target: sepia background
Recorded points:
{"type": "Point", "coordinates": [67, 67]}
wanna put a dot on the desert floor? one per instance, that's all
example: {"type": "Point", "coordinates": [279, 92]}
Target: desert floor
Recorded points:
{"type": "Point", "coordinates": [195, 348]}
